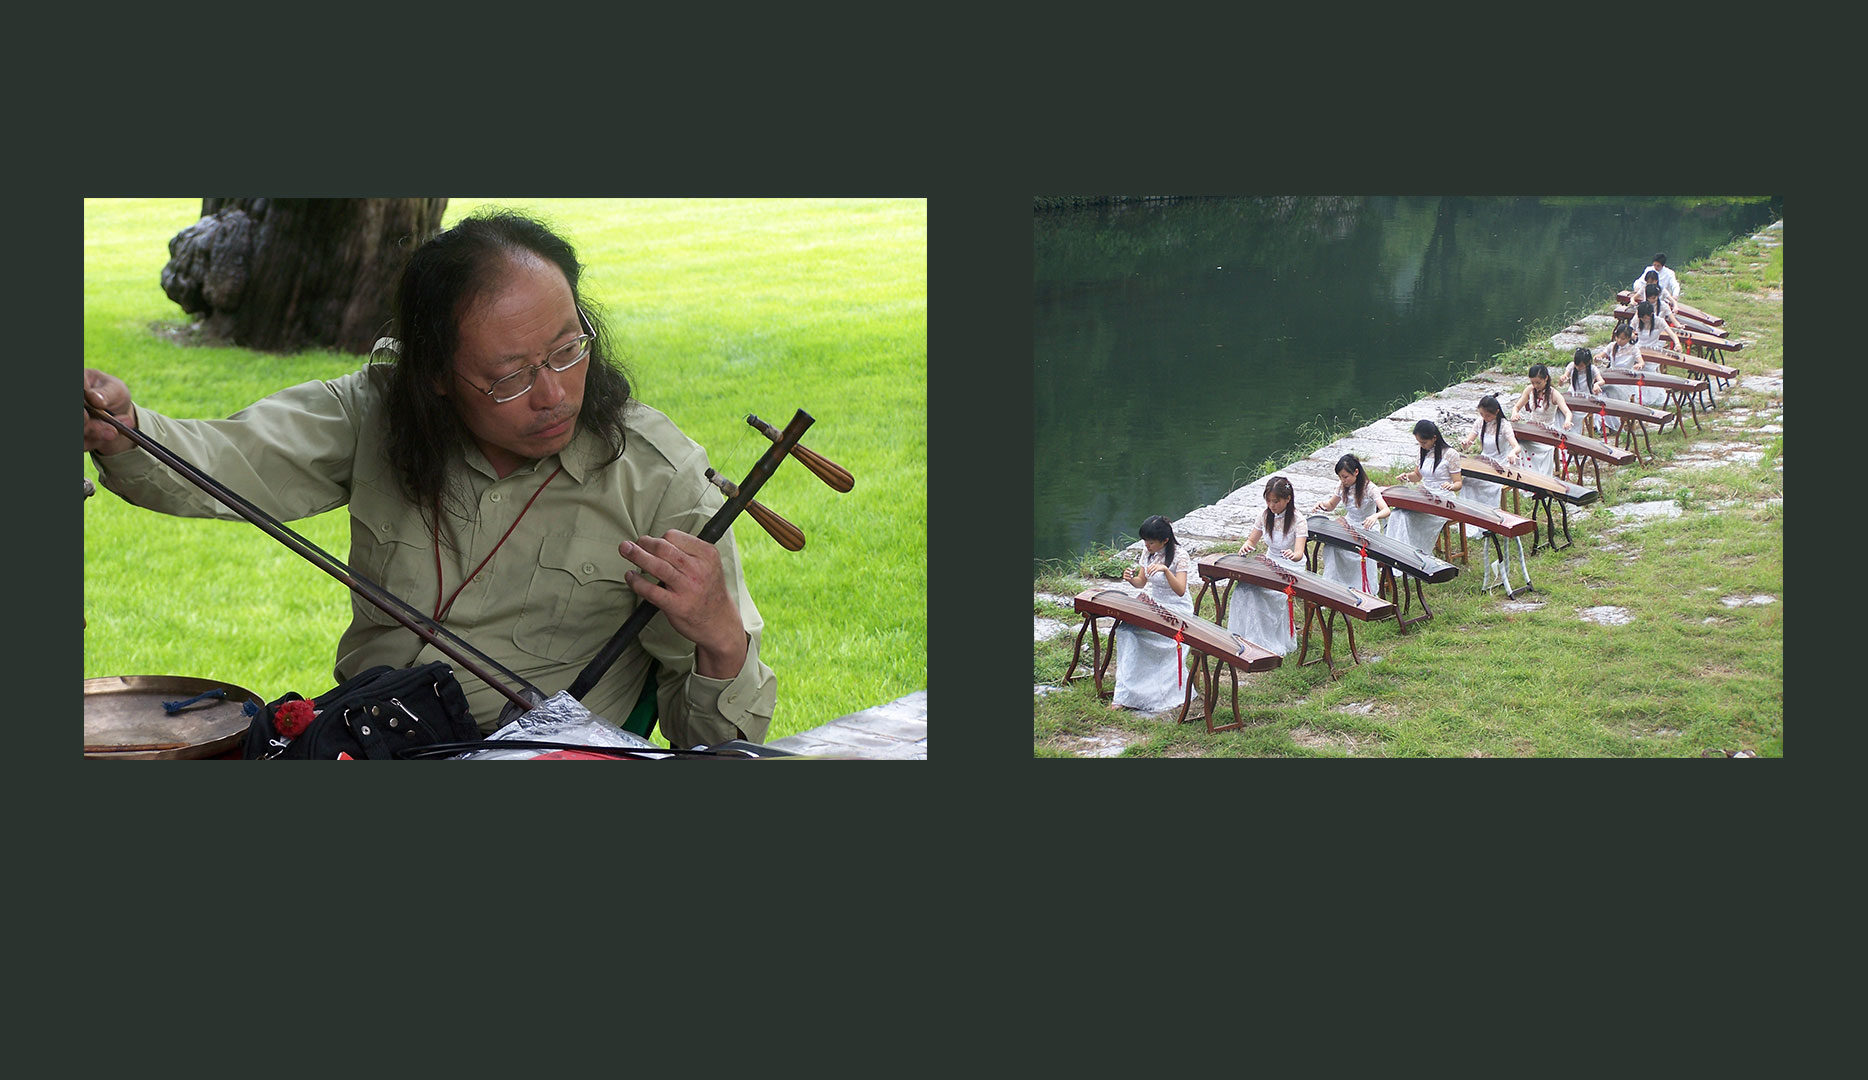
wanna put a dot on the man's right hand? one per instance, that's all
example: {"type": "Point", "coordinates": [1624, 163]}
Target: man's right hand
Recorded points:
{"type": "Point", "coordinates": [108, 393]}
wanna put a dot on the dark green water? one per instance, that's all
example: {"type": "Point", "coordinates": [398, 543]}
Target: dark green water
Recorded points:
{"type": "Point", "coordinates": [1180, 344]}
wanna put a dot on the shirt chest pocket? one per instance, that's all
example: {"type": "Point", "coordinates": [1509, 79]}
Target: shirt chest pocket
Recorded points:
{"type": "Point", "coordinates": [576, 601]}
{"type": "Point", "coordinates": [388, 546]}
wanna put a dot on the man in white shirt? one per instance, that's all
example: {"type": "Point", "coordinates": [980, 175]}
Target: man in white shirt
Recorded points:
{"type": "Point", "coordinates": [1669, 285]}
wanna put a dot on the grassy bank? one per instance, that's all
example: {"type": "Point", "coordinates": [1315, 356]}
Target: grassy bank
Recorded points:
{"type": "Point", "coordinates": [722, 308]}
{"type": "Point", "coordinates": [1698, 666]}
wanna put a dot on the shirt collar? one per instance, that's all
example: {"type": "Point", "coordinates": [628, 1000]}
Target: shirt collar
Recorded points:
{"type": "Point", "coordinates": [585, 453]}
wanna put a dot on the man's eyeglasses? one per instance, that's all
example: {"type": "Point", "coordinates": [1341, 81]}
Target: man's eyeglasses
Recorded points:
{"type": "Point", "coordinates": [563, 358]}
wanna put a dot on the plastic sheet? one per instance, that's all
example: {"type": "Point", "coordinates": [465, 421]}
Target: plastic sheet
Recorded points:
{"type": "Point", "coordinates": [559, 718]}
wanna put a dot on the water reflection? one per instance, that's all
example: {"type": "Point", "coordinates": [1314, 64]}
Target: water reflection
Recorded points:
{"type": "Point", "coordinates": [1178, 345]}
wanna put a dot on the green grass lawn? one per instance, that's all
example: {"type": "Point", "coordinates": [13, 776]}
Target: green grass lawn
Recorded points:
{"type": "Point", "coordinates": [1688, 673]}
{"type": "Point", "coordinates": [721, 307]}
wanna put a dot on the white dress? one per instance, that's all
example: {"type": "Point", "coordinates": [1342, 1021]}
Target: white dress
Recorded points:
{"type": "Point", "coordinates": [1542, 457]}
{"type": "Point", "coordinates": [1486, 493]}
{"type": "Point", "coordinates": [1149, 675]}
{"type": "Point", "coordinates": [1629, 359]}
{"type": "Point", "coordinates": [1342, 565]}
{"type": "Point", "coordinates": [1420, 530]}
{"type": "Point", "coordinates": [1261, 616]}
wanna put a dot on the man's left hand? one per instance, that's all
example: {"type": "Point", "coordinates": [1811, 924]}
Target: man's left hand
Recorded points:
{"type": "Point", "coordinates": [692, 593]}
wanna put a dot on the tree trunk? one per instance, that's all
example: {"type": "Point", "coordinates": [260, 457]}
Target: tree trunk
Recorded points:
{"type": "Point", "coordinates": [287, 274]}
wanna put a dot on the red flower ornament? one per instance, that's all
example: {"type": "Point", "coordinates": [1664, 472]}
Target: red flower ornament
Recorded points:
{"type": "Point", "coordinates": [292, 718]}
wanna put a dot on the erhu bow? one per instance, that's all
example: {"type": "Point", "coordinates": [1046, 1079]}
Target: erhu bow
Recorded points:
{"type": "Point", "coordinates": [453, 647]}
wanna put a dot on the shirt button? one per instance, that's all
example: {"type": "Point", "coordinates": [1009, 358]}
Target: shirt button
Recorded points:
{"type": "Point", "coordinates": [590, 568]}
{"type": "Point", "coordinates": [496, 496]}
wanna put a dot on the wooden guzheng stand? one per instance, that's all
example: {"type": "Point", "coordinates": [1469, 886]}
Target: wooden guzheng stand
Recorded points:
{"type": "Point", "coordinates": [1578, 449]}
{"type": "Point", "coordinates": [1544, 491]}
{"type": "Point", "coordinates": [1498, 524]}
{"type": "Point", "coordinates": [1416, 566]}
{"type": "Point", "coordinates": [1211, 646]}
{"type": "Point", "coordinates": [1314, 589]}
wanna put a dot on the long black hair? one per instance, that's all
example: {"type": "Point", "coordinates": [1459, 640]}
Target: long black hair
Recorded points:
{"type": "Point", "coordinates": [1159, 528]}
{"type": "Point", "coordinates": [1354, 464]}
{"type": "Point", "coordinates": [1427, 429]}
{"type": "Point", "coordinates": [1615, 349]}
{"type": "Point", "coordinates": [1582, 366]}
{"type": "Point", "coordinates": [443, 278]}
{"type": "Point", "coordinates": [1489, 403]}
{"type": "Point", "coordinates": [1279, 487]}
{"type": "Point", "coordinates": [1538, 401]}
{"type": "Point", "coordinates": [1644, 311]}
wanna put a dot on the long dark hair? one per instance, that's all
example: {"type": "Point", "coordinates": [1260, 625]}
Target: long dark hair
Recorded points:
{"type": "Point", "coordinates": [1538, 401]}
{"type": "Point", "coordinates": [1489, 403]}
{"type": "Point", "coordinates": [1279, 487]}
{"type": "Point", "coordinates": [1427, 429]}
{"type": "Point", "coordinates": [1644, 312]}
{"type": "Point", "coordinates": [442, 279]}
{"type": "Point", "coordinates": [1583, 366]}
{"type": "Point", "coordinates": [1361, 482]}
{"type": "Point", "coordinates": [1615, 350]}
{"type": "Point", "coordinates": [1159, 528]}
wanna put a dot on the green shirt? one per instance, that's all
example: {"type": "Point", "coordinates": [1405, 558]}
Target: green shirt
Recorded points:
{"type": "Point", "coordinates": [553, 594]}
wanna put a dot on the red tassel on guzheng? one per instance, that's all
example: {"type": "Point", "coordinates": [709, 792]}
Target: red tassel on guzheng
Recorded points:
{"type": "Point", "coordinates": [1177, 641]}
{"type": "Point", "coordinates": [1290, 592]}
{"type": "Point", "coordinates": [1364, 552]}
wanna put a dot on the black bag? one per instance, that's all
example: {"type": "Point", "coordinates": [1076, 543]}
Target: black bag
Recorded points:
{"type": "Point", "coordinates": [371, 715]}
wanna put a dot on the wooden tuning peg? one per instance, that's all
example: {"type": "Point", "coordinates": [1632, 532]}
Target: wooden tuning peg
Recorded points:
{"type": "Point", "coordinates": [827, 470]}
{"type": "Point", "coordinates": [789, 536]}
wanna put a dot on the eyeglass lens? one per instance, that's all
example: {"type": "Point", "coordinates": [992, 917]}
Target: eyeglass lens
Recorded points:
{"type": "Point", "coordinates": [563, 358]}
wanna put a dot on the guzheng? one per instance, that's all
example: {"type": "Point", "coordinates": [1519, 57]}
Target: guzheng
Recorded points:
{"type": "Point", "coordinates": [1652, 380]}
{"type": "Point", "coordinates": [1543, 488]}
{"type": "Point", "coordinates": [1259, 570]}
{"type": "Point", "coordinates": [1697, 365]}
{"type": "Point", "coordinates": [1406, 558]}
{"type": "Point", "coordinates": [1497, 523]}
{"type": "Point", "coordinates": [1534, 482]}
{"type": "Point", "coordinates": [1418, 567]}
{"type": "Point", "coordinates": [1679, 390]}
{"type": "Point", "coordinates": [1710, 344]}
{"type": "Point", "coordinates": [1575, 445]}
{"type": "Point", "coordinates": [1210, 643]}
{"type": "Point", "coordinates": [1421, 501]}
{"type": "Point", "coordinates": [1624, 410]}
{"type": "Point", "coordinates": [1315, 590]}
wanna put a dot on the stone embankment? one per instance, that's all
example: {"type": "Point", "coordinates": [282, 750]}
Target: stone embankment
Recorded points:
{"type": "Point", "coordinates": [1389, 443]}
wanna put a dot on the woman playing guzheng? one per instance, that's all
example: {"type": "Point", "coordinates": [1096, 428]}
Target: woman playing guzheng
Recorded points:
{"type": "Point", "coordinates": [1363, 508]}
{"type": "Point", "coordinates": [1148, 665]}
{"type": "Point", "coordinates": [1544, 402]}
{"type": "Point", "coordinates": [1261, 616]}
{"type": "Point", "coordinates": [1493, 434]}
{"type": "Point", "coordinates": [1438, 472]}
